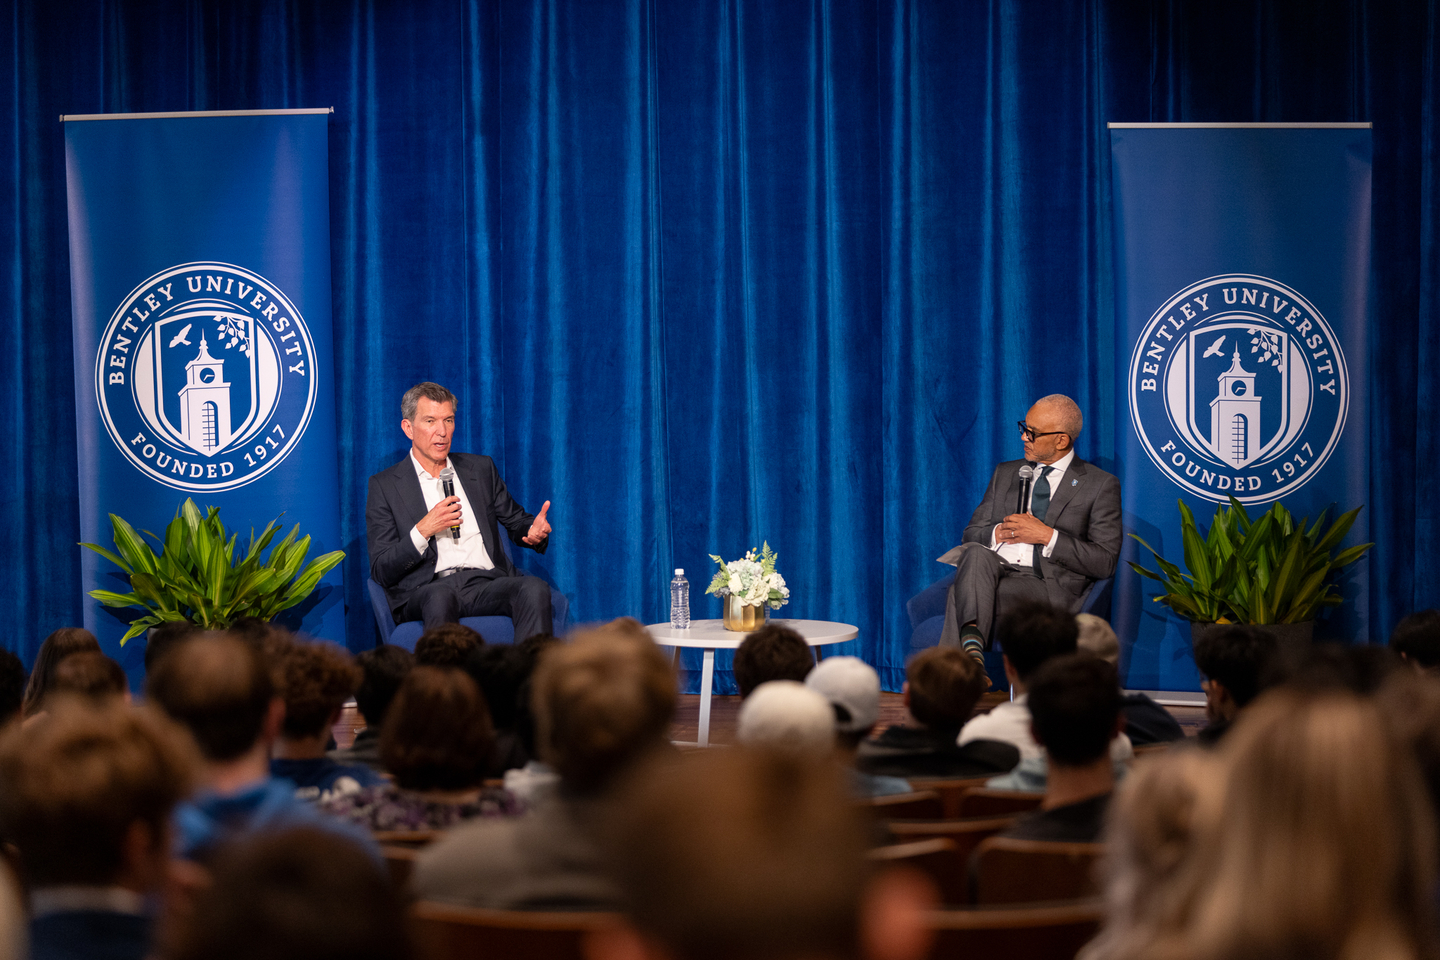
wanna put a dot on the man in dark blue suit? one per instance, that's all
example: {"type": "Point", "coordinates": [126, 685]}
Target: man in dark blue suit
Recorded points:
{"type": "Point", "coordinates": [1050, 549]}
{"type": "Point", "coordinates": [438, 554]}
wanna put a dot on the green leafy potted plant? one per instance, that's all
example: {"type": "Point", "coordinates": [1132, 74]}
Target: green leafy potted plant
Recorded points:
{"type": "Point", "coordinates": [1271, 571]}
{"type": "Point", "coordinates": [196, 577]}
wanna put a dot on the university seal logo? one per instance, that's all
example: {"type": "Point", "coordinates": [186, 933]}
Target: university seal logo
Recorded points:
{"type": "Point", "coordinates": [1238, 388]}
{"type": "Point", "coordinates": [205, 376]}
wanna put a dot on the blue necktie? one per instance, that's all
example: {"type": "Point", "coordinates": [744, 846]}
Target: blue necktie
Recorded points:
{"type": "Point", "coordinates": [1039, 503]}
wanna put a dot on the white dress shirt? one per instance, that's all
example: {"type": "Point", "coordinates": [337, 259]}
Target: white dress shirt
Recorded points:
{"type": "Point", "coordinates": [1023, 554]}
{"type": "Point", "coordinates": [469, 550]}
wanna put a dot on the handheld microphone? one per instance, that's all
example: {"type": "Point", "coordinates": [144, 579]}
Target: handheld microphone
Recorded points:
{"type": "Point", "coordinates": [447, 484]}
{"type": "Point", "coordinates": [1027, 475]}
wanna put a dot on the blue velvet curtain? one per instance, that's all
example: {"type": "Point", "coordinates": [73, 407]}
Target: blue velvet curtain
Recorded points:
{"type": "Point", "coordinates": [710, 273]}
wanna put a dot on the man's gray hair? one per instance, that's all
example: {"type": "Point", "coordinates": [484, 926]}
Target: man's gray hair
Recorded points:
{"type": "Point", "coordinates": [431, 391]}
{"type": "Point", "coordinates": [1071, 419]}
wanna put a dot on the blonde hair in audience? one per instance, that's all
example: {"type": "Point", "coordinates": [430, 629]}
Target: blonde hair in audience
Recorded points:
{"type": "Point", "coordinates": [1148, 845]}
{"type": "Point", "coordinates": [1323, 846]}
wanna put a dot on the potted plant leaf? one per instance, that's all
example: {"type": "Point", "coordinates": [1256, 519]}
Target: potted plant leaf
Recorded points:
{"type": "Point", "coordinates": [1272, 571]}
{"type": "Point", "coordinates": [197, 577]}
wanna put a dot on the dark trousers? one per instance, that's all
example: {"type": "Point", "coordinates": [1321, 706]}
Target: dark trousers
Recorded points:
{"type": "Point", "coordinates": [985, 589]}
{"type": "Point", "coordinates": [482, 593]}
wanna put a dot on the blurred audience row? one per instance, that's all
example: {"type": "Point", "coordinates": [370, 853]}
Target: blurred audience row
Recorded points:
{"type": "Point", "coordinates": [217, 817]}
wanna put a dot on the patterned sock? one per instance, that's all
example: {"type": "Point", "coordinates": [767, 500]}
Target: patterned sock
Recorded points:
{"type": "Point", "coordinates": [973, 642]}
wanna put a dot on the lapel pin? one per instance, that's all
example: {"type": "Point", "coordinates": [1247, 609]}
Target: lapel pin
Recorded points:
{"type": "Point", "coordinates": [1075, 483]}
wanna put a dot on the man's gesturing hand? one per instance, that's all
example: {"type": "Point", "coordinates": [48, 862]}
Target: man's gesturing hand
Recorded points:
{"type": "Point", "coordinates": [442, 516]}
{"type": "Point", "coordinates": [1023, 528]}
{"type": "Point", "coordinates": [540, 529]}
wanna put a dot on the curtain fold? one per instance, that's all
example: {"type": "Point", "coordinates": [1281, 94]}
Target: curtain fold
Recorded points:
{"type": "Point", "coordinates": [707, 274]}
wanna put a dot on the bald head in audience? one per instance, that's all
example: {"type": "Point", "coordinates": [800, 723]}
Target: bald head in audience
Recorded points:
{"type": "Point", "coordinates": [753, 853]}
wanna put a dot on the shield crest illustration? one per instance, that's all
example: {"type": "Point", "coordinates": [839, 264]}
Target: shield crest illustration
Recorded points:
{"type": "Point", "coordinates": [206, 379]}
{"type": "Point", "coordinates": [1237, 391]}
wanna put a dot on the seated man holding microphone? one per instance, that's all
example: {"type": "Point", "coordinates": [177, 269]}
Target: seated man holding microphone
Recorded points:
{"type": "Point", "coordinates": [432, 525]}
{"type": "Point", "coordinates": [1048, 528]}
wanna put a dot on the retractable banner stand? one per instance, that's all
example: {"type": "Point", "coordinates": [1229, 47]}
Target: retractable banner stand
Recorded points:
{"type": "Point", "coordinates": [200, 288]}
{"type": "Point", "coordinates": [1243, 296]}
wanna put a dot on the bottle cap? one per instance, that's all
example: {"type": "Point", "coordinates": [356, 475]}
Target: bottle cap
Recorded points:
{"type": "Point", "coordinates": [679, 571]}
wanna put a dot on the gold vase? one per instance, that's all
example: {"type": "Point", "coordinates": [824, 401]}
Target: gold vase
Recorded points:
{"type": "Point", "coordinates": [742, 618]}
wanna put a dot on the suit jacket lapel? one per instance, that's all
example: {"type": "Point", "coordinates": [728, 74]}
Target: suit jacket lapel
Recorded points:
{"type": "Point", "coordinates": [411, 496]}
{"type": "Point", "coordinates": [1070, 484]}
{"type": "Point", "coordinates": [479, 499]}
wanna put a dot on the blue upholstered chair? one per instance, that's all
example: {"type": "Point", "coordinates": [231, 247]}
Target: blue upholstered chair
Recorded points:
{"type": "Point", "coordinates": [493, 629]}
{"type": "Point", "coordinates": [927, 617]}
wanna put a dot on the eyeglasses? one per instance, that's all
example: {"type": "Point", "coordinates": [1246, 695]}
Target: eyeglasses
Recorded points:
{"type": "Point", "coordinates": [1029, 435]}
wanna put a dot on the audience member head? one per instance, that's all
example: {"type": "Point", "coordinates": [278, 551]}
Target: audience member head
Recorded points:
{"type": "Point", "coordinates": [448, 645]}
{"type": "Point", "coordinates": [753, 853]}
{"type": "Point", "coordinates": [255, 631]}
{"type": "Point", "coordinates": [317, 680]}
{"type": "Point", "coordinates": [162, 638]}
{"type": "Point", "coordinates": [942, 686]}
{"type": "Point", "coordinates": [529, 650]}
{"type": "Point", "coordinates": [1323, 845]}
{"type": "Point", "coordinates": [88, 793]}
{"type": "Point", "coordinates": [1097, 637]}
{"type": "Point", "coordinates": [1031, 634]}
{"type": "Point", "coordinates": [381, 672]}
{"type": "Point", "coordinates": [785, 715]}
{"type": "Point", "coordinates": [437, 734]}
{"type": "Point", "coordinates": [1149, 846]}
{"type": "Point", "coordinates": [57, 647]}
{"type": "Point", "coordinates": [295, 894]}
{"type": "Point", "coordinates": [91, 675]}
{"type": "Point", "coordinates": [12, 686]}
{"type": "Point", "coordinates": [1234, 662]}
{"type": "Point", "coordinates": [771, 653]}
{"type": "Point", "coordinates": [1417, 639]}
{"type": "Point", "coordinates": [1410, 702]}
{"type": "Point", "coordinates": [602, 701]}
{"type": "Point", "coordinates": [1075, 709]}
{"type": "Point", "coordinates": [1361, 669]}
{"type": "Point", "coordinates": [220, 689]}
{"type": "Point", "coordinates": [500, 672]}
{"type": "Point", "coordinates": [853, 688]}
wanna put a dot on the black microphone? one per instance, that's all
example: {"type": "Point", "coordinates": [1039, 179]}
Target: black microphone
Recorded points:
{"type": "Point", "coordinates": [1027, 474]}
{"type": "Point", "coordinates": [447, 483]}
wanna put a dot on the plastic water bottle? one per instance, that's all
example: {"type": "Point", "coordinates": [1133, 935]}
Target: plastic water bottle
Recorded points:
{"type": "Point", "coordinates": [679, 600]}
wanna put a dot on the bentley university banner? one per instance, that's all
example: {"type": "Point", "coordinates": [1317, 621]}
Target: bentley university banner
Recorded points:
{"type": "Point", "coordinates": [200, 289]}
{"type": "Point", "coordinates": [1243, 291]}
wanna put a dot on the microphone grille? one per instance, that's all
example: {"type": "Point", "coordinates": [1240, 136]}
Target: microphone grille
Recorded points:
{"type": "Point", "coordinates": [1027, 472]}
{"type": "Point", "coordinates": [448, 473]}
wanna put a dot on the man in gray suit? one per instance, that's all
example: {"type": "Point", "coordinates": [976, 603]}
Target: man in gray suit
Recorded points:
{"type": "Point", "coordinates": [428, 573]}
{"type": "Point", "coordinates": [1066, 538]}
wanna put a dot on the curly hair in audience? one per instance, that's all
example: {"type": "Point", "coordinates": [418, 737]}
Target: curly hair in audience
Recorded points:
{"type": "Point", "coordinates": [382, 671]}
{"type": "Point", "coordinates": [57, 647]}
{"type": "Point", "coordinates": [437, 733]}
{"type": "Point", "coordinates": [944, 684]}
{"type": "Point", "coordinates": [601, 701]}
{"type": "Point", "coordinates": [448, 645]}
{"type": "Point", "coordinates": [317, 680]}
{"type": "Point", "coordinates": [296, 894]}
{"type": "Point", "coordinates": [76, 783]}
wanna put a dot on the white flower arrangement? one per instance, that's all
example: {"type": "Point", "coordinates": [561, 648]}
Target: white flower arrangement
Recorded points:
{"type": "Point", "coordinates": [752, 580]}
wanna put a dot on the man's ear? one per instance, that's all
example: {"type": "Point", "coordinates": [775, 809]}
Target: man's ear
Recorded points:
{"type": "Point", "coordinates": [893, 916]}
{"type": "Point", "coordinates": [409, 430]}
{"type": "Point", "coordinates": [622, 942]}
